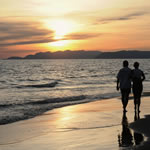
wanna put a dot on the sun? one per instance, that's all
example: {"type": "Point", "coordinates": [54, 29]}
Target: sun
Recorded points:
{"type": "Point", "coordinates": [61, 28]}
{"type": "Point", "coordinates": [59, 43]}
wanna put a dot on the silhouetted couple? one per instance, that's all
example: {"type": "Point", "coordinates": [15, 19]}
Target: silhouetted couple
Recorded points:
{"type": "Point", "coordinates": [124, 78]}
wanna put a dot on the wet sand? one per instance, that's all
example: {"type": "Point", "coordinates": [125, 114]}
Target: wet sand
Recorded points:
{"type": "Point", "coordinates": [99, 125]}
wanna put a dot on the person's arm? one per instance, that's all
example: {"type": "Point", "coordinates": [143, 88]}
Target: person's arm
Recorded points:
{"type": "Point", "coordinates": [118, 81]}
{"type": "Point", "coordinates": [117, 85]}
{"type": "Point", "coordinates": [143, 76]}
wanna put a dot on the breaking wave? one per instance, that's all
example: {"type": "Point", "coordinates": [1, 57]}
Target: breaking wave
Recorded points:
{"type": "Point", "coordinates": [48, 85]}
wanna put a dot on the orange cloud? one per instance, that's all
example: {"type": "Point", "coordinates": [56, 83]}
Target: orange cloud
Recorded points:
{"type": "Point", "coordinates": [81, 36]}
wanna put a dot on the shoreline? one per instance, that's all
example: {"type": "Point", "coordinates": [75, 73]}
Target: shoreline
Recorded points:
{"type": "Point", "coordinates": [82, 126]}
{"type": "Point", "coordinates": [78, 102]}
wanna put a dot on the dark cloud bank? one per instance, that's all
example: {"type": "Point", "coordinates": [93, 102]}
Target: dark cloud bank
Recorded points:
{"type": "Point", "coordinates": [21, 33]}
{"type": "Point", "coordinates": [125, 17]}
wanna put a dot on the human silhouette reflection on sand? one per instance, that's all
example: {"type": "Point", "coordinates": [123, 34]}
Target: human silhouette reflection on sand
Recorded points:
{"type": "Point", "coordinates": [138, 138]}
{"type": "Point", "coordinates": [126, 138]}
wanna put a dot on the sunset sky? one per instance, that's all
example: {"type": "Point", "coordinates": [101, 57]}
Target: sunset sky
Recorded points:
{"type": "Point", "coordinates": [30, 26]}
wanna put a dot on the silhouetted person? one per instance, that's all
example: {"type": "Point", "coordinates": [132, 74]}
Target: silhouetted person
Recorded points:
{"type": "Point", "coordinates": [124, 83]}
{"type": "Point", "coordinates": [137, 77]}
{"type": "Point", "coordinates": [126, 138]}
{"type": "Point", "coordinates": [138, 138]}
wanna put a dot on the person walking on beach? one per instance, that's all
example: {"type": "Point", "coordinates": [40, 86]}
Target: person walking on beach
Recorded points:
{"type": "Point", "coordinates": [124, 83]}
{"type": "Point", "coordinates": [137, 77]}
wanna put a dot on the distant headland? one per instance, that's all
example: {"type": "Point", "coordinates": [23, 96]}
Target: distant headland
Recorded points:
{"type": "Point", "coordinates": [82, 54]}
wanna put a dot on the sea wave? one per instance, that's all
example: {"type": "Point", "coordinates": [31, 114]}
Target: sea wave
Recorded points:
{"type": "Point", "coordinates": [17, 112]}
{"type": "Point", "coordinates": [5, 105]}
{"type": "Point", "coordinates": [59, 100]}
{"type": "Point", "coordinates": [47, 85]}
{"type": "Point", "coordinates": [2, 81]}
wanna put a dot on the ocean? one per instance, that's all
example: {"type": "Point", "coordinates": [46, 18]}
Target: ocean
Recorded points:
{"type": "Point", "coordinates": [31, 87]}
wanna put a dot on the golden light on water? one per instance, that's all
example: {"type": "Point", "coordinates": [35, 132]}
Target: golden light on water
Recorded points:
{"type": "Point", "coordinates": [66, 118]}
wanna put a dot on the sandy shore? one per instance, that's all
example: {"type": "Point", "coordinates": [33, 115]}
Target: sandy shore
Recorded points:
{"type": "Point", "coordinates": [99, 125]}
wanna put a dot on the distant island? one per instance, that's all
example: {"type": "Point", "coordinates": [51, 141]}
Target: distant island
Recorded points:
{"type": "Point", "coordinates": [124, 54]}
{"type": "Point", "coordinates": [81, 54]}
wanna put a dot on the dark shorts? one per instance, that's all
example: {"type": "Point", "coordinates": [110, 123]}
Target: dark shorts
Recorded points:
{"type": "Point", "coordinates": [125, 91]}
{"type": "Point", "coordinates": [125, 94]}
{"type": "Point", "coordinates": [137, 90]}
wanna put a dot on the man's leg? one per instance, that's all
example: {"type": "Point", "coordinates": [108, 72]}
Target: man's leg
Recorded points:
{"type": "Point", "coordinates": [135, 92]}
{"type": "Point", "coordinates": [126, 98]}
{"type": "Point", "coordinates": [135, 101]}
{"type": "Point", "coordinates": [124, 102]}
{"type": "Point", "coordinates": [139, 101]}
{"type": "Point", "coordinates": [139, 98]}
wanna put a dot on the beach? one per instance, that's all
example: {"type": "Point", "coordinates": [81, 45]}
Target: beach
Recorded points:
{"type": "Point", "coordinates": [65, 65]}
{"type": "Point", "coordinates": [93, 126]}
